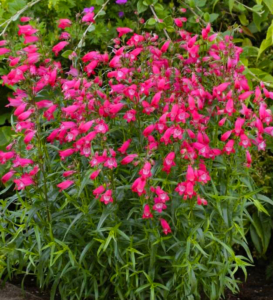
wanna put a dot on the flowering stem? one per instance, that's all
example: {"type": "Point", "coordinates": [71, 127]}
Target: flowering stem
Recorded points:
{"type": "Point", "coordinates": [87, 29]}
{"type": "Point", "coordinates": [42, 166]}
{"type": "Point", "coordinates": [157, 19]}
{"type": "Point", "coordinates": [16, 16]}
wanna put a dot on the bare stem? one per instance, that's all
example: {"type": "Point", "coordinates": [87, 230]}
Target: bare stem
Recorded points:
{"type": "Point", "coordinates": [16, 16]}
{"type": "Point", "coordinates": [87, 29]}
{"type": "Point", "coordinates": [157, 19]}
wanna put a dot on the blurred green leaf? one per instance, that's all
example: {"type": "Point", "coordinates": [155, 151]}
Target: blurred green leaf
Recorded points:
{"type": "Point", "coordinates": [269, 4]}
{"type": "Point", "coordinates": [230, 5]}
{"type": "Point", "coordinates": [5, 135]}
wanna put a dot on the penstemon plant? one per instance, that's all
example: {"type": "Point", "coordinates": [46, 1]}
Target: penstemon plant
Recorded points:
{"type": "Point", "coordinates": [132, 169]}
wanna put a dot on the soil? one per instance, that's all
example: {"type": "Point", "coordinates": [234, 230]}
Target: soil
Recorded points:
{"type": "Point", "coordinates": [257, 286]}
{"type": "Point", "coordinates": [31, 287]}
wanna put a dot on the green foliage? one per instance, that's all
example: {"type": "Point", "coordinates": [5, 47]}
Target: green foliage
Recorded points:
{"type": "Point", "coordinates": [82, 248]}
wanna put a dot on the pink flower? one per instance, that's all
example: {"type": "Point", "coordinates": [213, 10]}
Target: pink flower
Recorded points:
{"type": "Point", "coordinates": [29, 136]}
{"type": "Point", "coordinates": [68, 173]}
{"type": "Point", "coordinates": [65, 184]}
{"type": "Point", "coordinates": [138, 186]}
{"type": "Point", "coordinates": [110, 163]}
{"type": "Point", "coordinates": [124, 147]}
{"type": "Point", "coordinates": [4, 51]}
{"type": "Point", "coordinates": [226, 135]}
{"type": "Point", "coordinates": [229, 147]}
{"type": "Point", "coordinates": [168, 162]}
{"type": "Point", "coordinates": [101, 127]}
{"type": "Point", "coordinates": [95, 174]}
{"type": "Point", "coordinates": [99, 190]}
{"type": "Point", "coordinates": [162, 195]}
{"type": "Point", "coordinates": [123, 30]}
{"type": "Point", "coordinates": [148, 130]}
{"type": "Point", "coordinates": [248, 159]}
{"type": "Point", "coordinates": [64, 36]}
{"type": "Point", "coordinates": [107, 197]}
{"type": "Point", "coordinates": [63, 23]}
{"type": "Point", "coordinates": [269, 130]}
{"type": "Point", "coordinates": [66, 153]}
{"type": "Point", "coordinates": [43, 104]}
{"type": "Point", "coordinates": [23, 182]}
{"type": "Point", "coordinates": [159, 206]}
{"type": "Point", "coordinates": [130, 115]}
{"type": "Point", "coordinates": [145, 172]}
{"type": "Point", "coordinates": [48, 114]}
{"type": "Point", "coordinates": [5, 178]}
{"type": "Point", "coordinates": [24, 19]}
{"type": "Point", "coordinates": [165, 46]}
{"type": "Point", "coordinates": [88, 18]}
{"type": "Point", "coordinates": [147, 212]}
{"type": "Point", "coordinates": [34, 171]}
{"type": "Point", "coordinates": [26, 30]}
{"type": "Point", "coordinates": [22, 162]}
{"type": "Point", "coordinates": [129, 158]}
{"type": "Point", "coordinates": [178, 22]}
{"type": "Point", "coordinates": [165, 226]}
{"type": "Point", "coordinates": [57, 48]}
{"type": "Point", "coordinates": [238, 126]}
{"type": "Point", "coordinates": [201, 201]}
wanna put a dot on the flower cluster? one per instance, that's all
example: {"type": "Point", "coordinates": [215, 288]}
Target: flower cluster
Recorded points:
{"type": "Point", "coordinates": [154, 109]}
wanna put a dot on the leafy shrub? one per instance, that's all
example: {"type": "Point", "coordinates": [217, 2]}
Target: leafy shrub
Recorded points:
{"type": "Point", "coordinates": [131, 168]}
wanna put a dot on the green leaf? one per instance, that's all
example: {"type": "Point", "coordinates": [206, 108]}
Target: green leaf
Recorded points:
{"type": "Point", "coordinates": [260, 207]}
{"type": "Point", "coordinates": [143, 287]}
{"type": "Point", "coordinates": [269, 4]}
{"type": "Point", "coordinates": [255, 239]}
{"type": "Point", "coordinates": [4, 118]}
{"type": "Point", "coordinates": [264, 198]}
{"type": "Point", "coordinates": [206, 17]}
{"type": "Point", "coordinates": [264, 45]}
{"type": "Point", "coordinates": [151, 21]}
{"type": "Point", "coordinates": [250, 51]}
{"type": "Point", "coordinates": [159, 7]}
{"type": "Point", "coordinates": [141, 7]}
{"type": "Point", "coordinates": [67, 53]}
{"type": "Point", "coordinates": [101, 13]}
{"type": "Point", "coordinates": [244, 21]}
{"type": "Point", "coordinates": [200, 3]}
{"type": "Point", "coordinates": [257, 7]}
{"type": "Point", "coordinates": [5, 135]}
{"type": "Point", "coordinates": [213, 17]}
{"type": "Point", "coordinates": [91, 28]}
{"type": "Point", "coordinates": [230, 5]}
